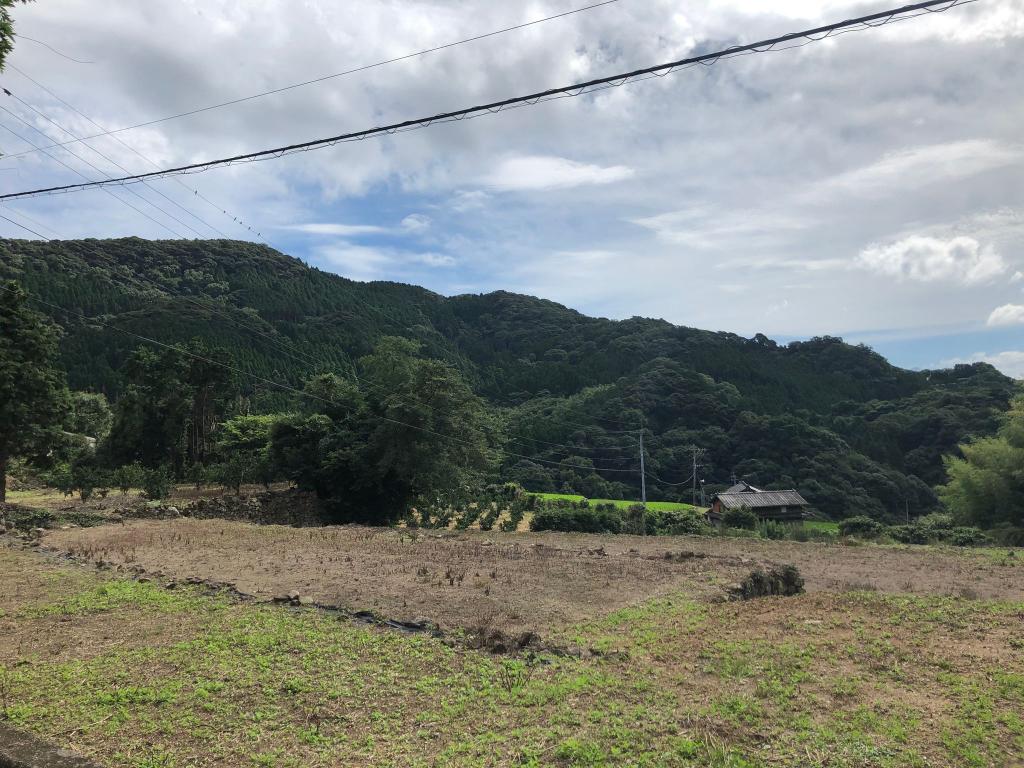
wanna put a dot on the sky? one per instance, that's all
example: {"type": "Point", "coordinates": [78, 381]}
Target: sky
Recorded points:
{"type": "Point", "coordinates": [869, 186]}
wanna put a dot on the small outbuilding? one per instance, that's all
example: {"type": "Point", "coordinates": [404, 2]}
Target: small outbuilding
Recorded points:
{"type": "Point", "coordinates": [786, 506]}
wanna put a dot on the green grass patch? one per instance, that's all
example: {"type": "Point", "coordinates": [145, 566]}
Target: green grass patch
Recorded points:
{"type": "Point", "coordinates": [661, 506]}
{"type": "Point", "coordinates": [121, 593]}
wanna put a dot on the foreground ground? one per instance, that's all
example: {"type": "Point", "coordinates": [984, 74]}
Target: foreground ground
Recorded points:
{"type": "Point", "coordinates": [135, 674]}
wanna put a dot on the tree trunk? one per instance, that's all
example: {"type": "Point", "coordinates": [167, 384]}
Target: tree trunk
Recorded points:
{"type": "Point", "coordinates": [3, 478]}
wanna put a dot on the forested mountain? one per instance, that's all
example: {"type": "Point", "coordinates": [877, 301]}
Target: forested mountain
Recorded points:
{"type": "Point", "coordinates": [851, 431]}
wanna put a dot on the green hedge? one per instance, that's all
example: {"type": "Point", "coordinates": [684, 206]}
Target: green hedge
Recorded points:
{"type": "Point", "coordinates": [600, 519]}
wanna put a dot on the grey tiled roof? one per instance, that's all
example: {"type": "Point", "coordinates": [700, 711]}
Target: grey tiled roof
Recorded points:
{"type": "Point", "coordinates": [762, 499]}
{"type": "Point", "coordinates": [742, 487]}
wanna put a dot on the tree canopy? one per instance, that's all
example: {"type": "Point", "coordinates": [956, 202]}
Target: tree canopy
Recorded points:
{"type": "Point", "coordinates": [410, 430]}
{"type": "Point", "coordinates": [173, 399]}
{"type": "Point", "coordinates": [986, 486]}
{"type": "Point", "coordinates": [33, 397]}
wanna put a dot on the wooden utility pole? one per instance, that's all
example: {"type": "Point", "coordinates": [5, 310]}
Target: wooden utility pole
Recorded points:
{"type": "Point", "coordinates": [643, 475]}
{"type": "Point", "coordinates": [693, 488]}
{"type": "Point", "coordinates": [698, 453]}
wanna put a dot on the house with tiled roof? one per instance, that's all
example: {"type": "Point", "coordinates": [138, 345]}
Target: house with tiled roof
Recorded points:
{"type": "Point", "coordinates": [787, 505]}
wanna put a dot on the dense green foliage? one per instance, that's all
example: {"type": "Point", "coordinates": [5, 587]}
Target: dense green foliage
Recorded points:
{"type": "Point", "coordinates": [89, 414]}
{"type": "Point", "coordinates": [853, 433]}
{"type": "Point", "coordinates": [33, 398]}
{"type": "Point", "coordinates": [582, 517]}
{"type": "Point", "coordinates": [986, 486]}
{"type": "Point", "coordinates": [936, 528]}
{"type": "Point", "coordinates": [175, 396]}
{"type": "Point", "coordinates": [861, 526]}
{"type": "Point", "coordinates": [411, 433]}
{"type": "Point", "coordinates": [575, 517]}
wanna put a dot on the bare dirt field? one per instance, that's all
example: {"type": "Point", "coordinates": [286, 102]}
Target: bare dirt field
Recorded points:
{"type": "Point", "coordinates": [515, 582]}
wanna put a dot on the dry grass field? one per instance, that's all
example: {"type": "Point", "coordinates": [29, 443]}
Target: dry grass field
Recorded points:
{"type": "Point", "coordinates": [894, 657]}
{"type": "Point", "coordinates": [535, 582]}
{"type": "Point", "coordinates": [515, 582]}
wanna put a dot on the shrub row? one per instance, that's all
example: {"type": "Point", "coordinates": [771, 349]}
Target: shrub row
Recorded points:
{"type": "Point", "coordinates": [931, 529]}
{"type": "Point", "coordinates": [565, 515]}
{"type": "Point", "coordinates": [603, 518]}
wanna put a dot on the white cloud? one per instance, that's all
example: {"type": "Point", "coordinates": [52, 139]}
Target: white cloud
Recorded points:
{"type": "Point", "coordinates": [356, 261]}
{"type": "Point", "coordinates": [1017, 277]}
{"type": "Point", "coordinates": [435, 259]}
{"type": "Point", "coordinates": [996, 23]}
{"type": "Point", "coordinates": [1008, 314]}
{"type": "Point", "coordinates": [416, 222]}
{"type": "Point", "coordinates": [721, 166]}
{"type": "Point", "coordinates": [336, 230]}
{"type": "Point", "coordinates": [928, 259]}
{"type": "Point", "coordinates": [706, 227]}
{"type": "Point", "coordinates": [922, 166]}
{"type": "Point", "coordinates": [1010, 362]}
{"type": "Point", "coordinates": [517, 174]}
{"type": "Point", "coordinates": [468, 200]}
{"type": "Point", "coordinates": [360, 262]}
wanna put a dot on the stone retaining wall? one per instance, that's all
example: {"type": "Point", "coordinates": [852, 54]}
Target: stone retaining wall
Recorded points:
{"type": "Point", "coordinates": [291, 507]}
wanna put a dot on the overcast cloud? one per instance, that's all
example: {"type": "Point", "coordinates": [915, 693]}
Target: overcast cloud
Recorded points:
{"type": "Point", "coordinates": [869, 186]}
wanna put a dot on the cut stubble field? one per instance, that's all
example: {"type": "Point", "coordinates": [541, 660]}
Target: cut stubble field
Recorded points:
{"type": "Point", "coordinates": [894, 657]}
{"type": "Point", "coordinates": [534, 582]}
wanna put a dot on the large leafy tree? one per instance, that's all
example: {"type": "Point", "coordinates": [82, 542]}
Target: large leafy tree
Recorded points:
{"type": "Point", "coordinates": [411, 431]}
{"type": "Point", "coordinates": [170, 406]}
{"type": "Point", "coordinates": [241, 451]}
{"type": "Point", "coordinates": [33, 397]}
{"type": "Point", "coordinates": [986, 486]}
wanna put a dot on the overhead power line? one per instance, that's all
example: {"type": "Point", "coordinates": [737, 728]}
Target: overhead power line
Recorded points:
{"type": "Point", "coordinates": [657, 479]}
{"type": "Point", "coordinates": [79, 173]}
{"type": "Point", "coordinates": [352, 71]}
{"type": "Point", "coordinates": [38, 223]}
{"type": "Point", "coordinates": [869, 21]}
{"type": "Point", "coordinates": [22, 226]}
{"type": "Point", "coordinates": [116, 164]}
{"type": "Point", "coordinates": [47, 45]}
{"type": "Point", "coordinates": [195, 191]}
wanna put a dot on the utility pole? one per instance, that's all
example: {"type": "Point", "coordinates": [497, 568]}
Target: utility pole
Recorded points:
{"type": "Point", "coordinates": [643, 475]}
{"type": "Point", "coordinates": [693, 488]}
{"type": "Point", "coordinates": [698, 453]}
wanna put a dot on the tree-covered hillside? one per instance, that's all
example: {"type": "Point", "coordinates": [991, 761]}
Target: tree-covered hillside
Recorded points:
{"type": "Point", "coordinates": [851, 431]}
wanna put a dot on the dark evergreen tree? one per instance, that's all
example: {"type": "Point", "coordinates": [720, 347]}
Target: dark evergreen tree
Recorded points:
{"type": "Point", "coordinates": [170, 406]}
{"type": "Point", "coordinates": [33, 397]}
